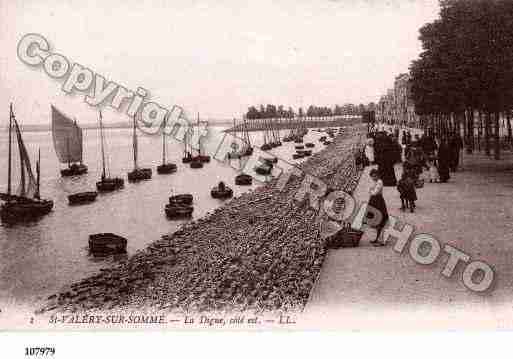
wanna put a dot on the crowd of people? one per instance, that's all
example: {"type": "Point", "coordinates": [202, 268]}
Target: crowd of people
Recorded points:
{"type": "Point", "coordinates": [438, 156]}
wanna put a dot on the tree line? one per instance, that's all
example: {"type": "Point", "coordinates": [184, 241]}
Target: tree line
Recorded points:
{"type": "Point", "coordinates": [273, 111]}
{"type": "Point", "coordinates": [464, 75]}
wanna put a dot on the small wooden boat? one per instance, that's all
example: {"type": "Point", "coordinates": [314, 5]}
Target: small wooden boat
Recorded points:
{"type": "Point", "coordinates": [137, 174]}
{"type": "Point", "coordinates": [221, 191]}
{"type": "Point", "coordinates": [181, 199]}
{"type": "Point", "coordinates": [243, 180]}
{"type": "Point", "coordinates": [178, 211]}
{"type": "Point", "coordinates": [264, 169]}
{"type": "Point", "coordinates": [107, 184]}
{"type": "Point", "coordinates": [299, 147]}
{"type": "Point", "coordinates": [27, 203]}
{"type": "Point", "coordinates": [82, 197]}
{"type": "Point", "coordinates": [106, 243]}
{"type": "Point", "coordinates": [196, 164]}
{"type": "Point", "coordinates": [75, 169]}
{"type": "Point", "coordinates": [307, 153]}
{"type": "Point", "coordinates": [67, 142]}
{"type": "Point", "coordinates": [202, 158]}
{"type": "Point", "coordinates": [270, 161]}
{"type": "Point", "coordinates": [298, 155]}
{"type": "Point", "coordinates": [266, 147]}
{"type": "Point", "coordinates": [309, 145]}
{"type": "Point", "coordinates": [166, 168]}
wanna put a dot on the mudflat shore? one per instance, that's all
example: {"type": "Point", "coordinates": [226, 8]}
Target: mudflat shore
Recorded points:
{"type": "Point", "coordinates": [260, 251]}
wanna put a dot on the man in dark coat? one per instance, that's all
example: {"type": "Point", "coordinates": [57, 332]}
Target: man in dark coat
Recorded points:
{"type": "Point", "coordinates": [444, 158]}
{"type": "Point", "coordinates": [455, 146]}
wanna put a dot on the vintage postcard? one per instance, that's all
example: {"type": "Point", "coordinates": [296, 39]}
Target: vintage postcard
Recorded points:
{"type": "Point", "coordinates": [272, 166]}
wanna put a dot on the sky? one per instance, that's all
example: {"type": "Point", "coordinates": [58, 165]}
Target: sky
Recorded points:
{"type": "Point", "coordinates": [215, 58]}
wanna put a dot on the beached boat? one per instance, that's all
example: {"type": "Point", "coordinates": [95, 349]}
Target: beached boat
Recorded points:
{"type": "Point", "coordinates": [106, 183]}
{"type": "Point", "coordinates": [67, 141]}
{"type": "Point", "coordinates": [181, 199]}
{"type": "Point", "coordinates": [309, 145]}
{"type": "Point", "coordinates": [300, 147]}
{"type": "Point", "coordinates": [298, 155]}
{"type": "Point", "coordinates": [106, 244]}
{"type": "Point", "coordinates": [243, 180]}
{"type": "Point", "coordinates": [221, 191]}
{"type": "Point", "coordinates": [82, 197]}
{"type": "Point", "coordinates": [264, 169]}
{"type": "Point", "coordinates": [137, 174]}
{"type": "Point", "coordinates": [26, 204]}
{"type": "Point", "coordinates": [174, 211]}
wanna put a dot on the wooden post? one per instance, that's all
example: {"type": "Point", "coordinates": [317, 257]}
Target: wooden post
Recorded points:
{"type": "Point", "coordinates": [487, 133]}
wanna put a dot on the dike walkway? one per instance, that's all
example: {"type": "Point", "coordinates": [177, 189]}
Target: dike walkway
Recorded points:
{"type": "Point", "coordinates": [376, 288]}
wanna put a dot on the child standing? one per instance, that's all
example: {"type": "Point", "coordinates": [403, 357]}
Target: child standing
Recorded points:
{"type": "Point", "coordinates": [433, 171]}
{"type": "Point", "coordinates": [407, 192]}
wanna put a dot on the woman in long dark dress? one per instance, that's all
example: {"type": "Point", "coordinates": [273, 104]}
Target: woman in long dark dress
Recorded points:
{"type": "Point", "coordinates": [377, 201]}
{"type": "Point", "coordinates": [444, 158]}
{"type": "Point", "coordinates": [386, 165]}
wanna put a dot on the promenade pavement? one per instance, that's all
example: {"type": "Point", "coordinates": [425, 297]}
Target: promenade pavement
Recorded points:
{"type": "Point", "coordinates": [375, 287]}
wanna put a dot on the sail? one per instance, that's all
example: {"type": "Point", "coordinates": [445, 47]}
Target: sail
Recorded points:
{"type": "Point", "coordinates": [67, 138]}
{"type": "Point", "coordinates": [28, 186]}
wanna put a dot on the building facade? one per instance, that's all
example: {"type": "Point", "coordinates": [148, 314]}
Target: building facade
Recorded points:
{"type": "Point", "coordinates": [397, 106]}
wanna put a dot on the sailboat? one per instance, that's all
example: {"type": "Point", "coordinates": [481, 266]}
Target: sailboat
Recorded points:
{"type": "Point", "coordinates": [26, 203]}
{"type": "Point", "coordinates": [187, 155]}
{"type": "Point", "coordinates": [107, 184]}
{"type": "Point", "coordinates": [165, 167]}
{"type": "Point", "coordinates": [67, 141]}
{"type": "Point", "coordinates": [137, 174]}
{"type": "Point", "coordinates": [248, 149]}
{"type": "Point", "coordinates": [197, 161]}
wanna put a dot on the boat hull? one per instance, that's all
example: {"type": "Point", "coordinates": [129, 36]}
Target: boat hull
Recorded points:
{"type": "Point", "coordinates": [110, 184]}
{"type": "Point", "coordinates": [166, 168]}
{"type": "Point", "coordinates": [25, 209]}
{"type": "Point", "coordinates": [82, 197]}
{"type": "Point", "coordinates": [178, 211]}
{"type": "Point", "coordinates": [101, 244]}
{"type": "Point", "coordinates": [74, 170]}
{"type": "Point", "coordinates": [181, 199]}
{"type": "Point", "coordinates": [243, 180]}
{"type": "Point", "coordinates": [139, 174]}
{"type": "Point", "coordinates": [218, 193]}
{"type": "Point", "coordinates": [196, 164]}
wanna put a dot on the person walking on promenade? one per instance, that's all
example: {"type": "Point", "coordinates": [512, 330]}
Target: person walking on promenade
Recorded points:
{"type": "Point", "coordinates": [407, 192]}
{"type": "Point", "coordinates": [386, 165]}
{"type": "Point", "coordinates": [455, 146]}
{"type": "Point", "coordinates": [369, 151]}
{"type": "Point", "coordinates": [377, 201]}
{"type": "Point", "coordinates": [444, 161]}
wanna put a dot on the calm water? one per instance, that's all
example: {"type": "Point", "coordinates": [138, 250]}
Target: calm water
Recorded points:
{"type": "Point", "coordinates": [39, 258]}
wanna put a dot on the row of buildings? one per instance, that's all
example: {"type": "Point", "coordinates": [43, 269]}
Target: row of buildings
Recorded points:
{"type": "Point", "coordinates": [396, 107]}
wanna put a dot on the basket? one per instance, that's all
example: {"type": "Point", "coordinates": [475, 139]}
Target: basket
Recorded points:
{"type": "Point", "coordinates": [346, 237]}
{"type": "Point", "coordinates": [419, 183]}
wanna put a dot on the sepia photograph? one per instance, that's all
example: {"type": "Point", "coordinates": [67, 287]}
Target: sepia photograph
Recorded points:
{"type": "Point", "coordinates": [265, 166]}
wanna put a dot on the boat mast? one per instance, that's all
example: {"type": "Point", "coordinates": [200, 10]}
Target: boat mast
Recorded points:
{"type": "Point", "coordinates": [164, 144]}
{"type": "Point", "coordinates": [38, 172]}
{"type": "Point", "coordinates": [9, 168]}
{"type": "Point", "coordinates": [67, 147]}
{"type": "Point", "coordinates": [199, 142]}
{"type": "Point", "coordinates": [134, 145]}
{"type": "Point", "coordinates": [103, 150]}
